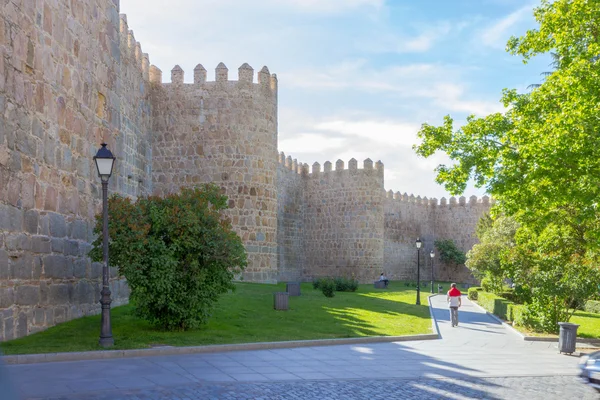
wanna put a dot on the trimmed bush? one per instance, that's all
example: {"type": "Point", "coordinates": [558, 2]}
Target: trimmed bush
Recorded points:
{"type": "Point", "coordinates": [494, 304]}
{"type": "Point", "coordinates": [472, 293]}
{"type": "Point", "coordinates": [327, 286]}
{"type": "Point", "coordinates": [592, 306]}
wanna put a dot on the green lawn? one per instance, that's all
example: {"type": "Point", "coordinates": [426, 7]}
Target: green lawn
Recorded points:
{"type": "Point", "coordinates": [589, 326]}
{"type": "Point", "coordinates": [247, 315]}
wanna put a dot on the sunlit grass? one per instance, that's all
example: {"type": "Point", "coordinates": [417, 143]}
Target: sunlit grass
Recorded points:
{"type": "Point", "coordinates": [247, 315]}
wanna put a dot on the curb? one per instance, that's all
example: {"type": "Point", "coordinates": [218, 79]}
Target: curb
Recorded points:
{"type": "Point", "coordinates": [170, 350]}
{"type": "Point", "coordinates": [434, 324]}
{"type": "Point", "coordinates": [533, 338]}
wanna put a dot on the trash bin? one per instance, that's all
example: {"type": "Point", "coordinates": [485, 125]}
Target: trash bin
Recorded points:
{"type": "Point", "coordinates": [567, 337]}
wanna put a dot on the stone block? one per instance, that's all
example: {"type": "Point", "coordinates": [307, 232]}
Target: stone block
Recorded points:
{"type": "Point", "coordinates": [37, 268]}
{"type": "Point", "coordinates": [84, 292]}
{"type": "Point", "coordinates": [41, 244]}
{"type": "Point", "coordinates": [22, 324]}
{"type": "Point", "coordinates": [80, 267]}
{"type": "Point", "coordinates": [71, 248]}
{"type": "Point", "coordinates": [49, 315]}
{"type": "Point", "coordinates": [7, 297]}
{"type": "Point", "coordinates": [22, 267]}
{"type": "Point", "coordinates": [60, 315]}
{"type": "Point", "coordinates": [28, 295]}
{"type": "Point", "coordinates": [58, 245]}
{"type": "Point", "coordinates": [31, 221]}
{"type": "Point", "coordinates": [96, 270]}
{"type": "Point", "coordinates": [58, 226]}
{"type": "Point", "coordinates": [59, 294]}
{"type": "Point", "coordinates": [11, 218]}
{"type": "Point", "coordinates": [44, 221]}
{"type": "Point", "coordinates": [9, 328]}
{"type": "Point", "coordinates": [17, 242]}
{"type": "Point", "coordinates": [39, 316]}
{"type": "Point", "coordinates": [57, 266]}
{"type": "Point", "coordinates": [79, 230]}
{"type": "Point", "coordinates": [4, 268]}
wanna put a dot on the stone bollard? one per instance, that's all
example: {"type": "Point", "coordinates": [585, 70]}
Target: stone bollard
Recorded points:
{"type": "Point", "coordinates": [293, 288]}
{"type": "Point", "coordinates": [280, 301]}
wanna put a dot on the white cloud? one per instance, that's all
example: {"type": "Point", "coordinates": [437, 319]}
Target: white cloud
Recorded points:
{"type": "Point", "coordinates": [423, 41]}
{"type": "Point", "coordinates": [498, 34]}
{"type": "Point", "coordinates": [383, 132]}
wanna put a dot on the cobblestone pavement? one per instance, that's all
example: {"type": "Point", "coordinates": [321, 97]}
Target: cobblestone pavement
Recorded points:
{"type": "Point", "coordinates": [529, 388]}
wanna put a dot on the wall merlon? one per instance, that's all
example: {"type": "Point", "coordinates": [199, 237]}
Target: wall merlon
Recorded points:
{"type": "Point", "coordinates": [274, 82]}
{"type": "Point", "coordinates": [379, 165]}
{"type": "Point", "coordinates": [264, 77]}
{"type": "Point", "coordinates": [177, 75]}
{"type": "Point", "coordinates": [473, 200]}
{"type": "Point", "coordinates": [339, 165]}
{"type": "Point", "coordinates": [305, 169]}
{"type": "Point", "coordinates": [221, 73]}
{"type": "Point", "coordinates": [327, 167]}
{"type": "Point", "coordinates": [199, 74]}
{"type": "Point", "coordinates": [453, 201]}
{"type": "Point", "coordinates": [155, 74]}
{"type": "Point", "coordinates": [288, 162]}
{"type": "Point", "coordinates": [146, 66]}
{"type": "Point", "coordinates": [295, 165]}
{"type": "Point", "coordinates": [485, 200]}
{"type": "Point", "coordinates": [389, 194]}
{"type": "Point", "coordinates": [138, 54]}
{"type": "Point", "coordinates": [352, 164]}
{"type": "Point", "coordinates": [316, 168]}
{"type": "Point", "coordinates": [462, 200]}
{"type": "Point", "coordinates": [123, 27]}
{"type": "Point", "coordinates": [397, 196]}
{"type": "Point", "coordinates": [131, 41]}
{"type": "Point", "coordinates": [245, 73]}
{"type": "Point", "coordinates": [282, 158]}
{"type": "Point", "coordinates": [368, 164]}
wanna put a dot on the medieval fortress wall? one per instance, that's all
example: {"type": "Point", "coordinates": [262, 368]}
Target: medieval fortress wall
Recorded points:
{"type": "Point", "coordinates": [72, 75]}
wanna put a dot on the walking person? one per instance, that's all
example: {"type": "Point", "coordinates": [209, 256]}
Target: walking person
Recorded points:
{"type": "Point", "coordinates": [454, 301]}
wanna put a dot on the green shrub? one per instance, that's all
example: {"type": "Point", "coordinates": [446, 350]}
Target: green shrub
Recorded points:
{"type": "Point", "coordinates": [178, 253]}
{"type": "Point", "coordinates": [592, 306]}
{"type": "Point", "coordinates": [353, 285]}
{"type": "Point", "coordinates": [316, 283]}
{"type": "Point", "coordinates": [341, 284]}
{"type": "Point", "coordinates": [493, 303]}
{"type": "Point", "coordinates": [508, 295]}
{"type": "Point", "coordinates": [472, 293]}
{"type": "Point", "coordinates": [327, 286]}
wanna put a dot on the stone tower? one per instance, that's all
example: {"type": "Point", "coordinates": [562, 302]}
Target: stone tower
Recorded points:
{"type": "Point", "coordinates": [225, 132]}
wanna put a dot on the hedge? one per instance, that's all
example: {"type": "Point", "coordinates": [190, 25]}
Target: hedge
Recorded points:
{"type": "Point", "coordinates": [592, 306]}
{"type": "Point", "coordinates": [494, 304]}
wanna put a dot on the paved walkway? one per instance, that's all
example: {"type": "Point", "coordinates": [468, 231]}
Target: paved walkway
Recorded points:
{"type": "Point", "coordinates": [478, 359]}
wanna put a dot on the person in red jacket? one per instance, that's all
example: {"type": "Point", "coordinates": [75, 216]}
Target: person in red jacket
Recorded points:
{"type": "Point", "coordinates": [454, 301]}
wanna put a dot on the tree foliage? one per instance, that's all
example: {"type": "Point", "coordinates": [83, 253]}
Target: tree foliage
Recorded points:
{"type": "Point", "coordinates": [540, 160]}
{"type": "Point", "coordinates": [178, 253]}
{"type": "Point", "coordinates": [449, 253]}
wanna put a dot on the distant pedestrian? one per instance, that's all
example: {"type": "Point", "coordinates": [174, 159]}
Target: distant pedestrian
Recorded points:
{"type": "Point", "coordinates": [454, 301]}
{"type": "Point", "coordinates": [384, 279]}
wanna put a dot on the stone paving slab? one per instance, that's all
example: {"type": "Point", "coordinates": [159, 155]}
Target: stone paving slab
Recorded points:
{"type": "Point", "coordinates": [522, 388]}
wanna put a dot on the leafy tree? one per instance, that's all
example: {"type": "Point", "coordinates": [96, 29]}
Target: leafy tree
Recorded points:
{"type": "Point", "coordinates": [178, 253]}
{"type": "Point", "coordinates": [485, 258]}
{"type": "Point", "coordinates": [540, 160]}
{"type": "Point", "coordinates": [449, 253]}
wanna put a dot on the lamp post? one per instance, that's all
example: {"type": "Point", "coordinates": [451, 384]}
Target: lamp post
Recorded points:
{"type": "Point", "coordinates": [418, 243]}
{"type": "Point", "coordinates": [105, 161]}
{"type": "Point", "coordinates": [431, 254]}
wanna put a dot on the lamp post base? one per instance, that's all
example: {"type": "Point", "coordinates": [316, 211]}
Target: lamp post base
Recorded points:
{"type": "Point", "coordinates": [106, 342]}
{"type": "Point", "coordinates": [431, 287]}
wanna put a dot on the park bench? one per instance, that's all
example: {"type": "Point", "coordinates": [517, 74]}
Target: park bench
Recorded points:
{"type": "Point", "coordinates": [379, 284]}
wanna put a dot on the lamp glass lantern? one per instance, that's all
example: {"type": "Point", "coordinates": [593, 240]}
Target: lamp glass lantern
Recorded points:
{"type": "Point", "coordinates": [105, 161]}
{"type": "Point", "coordinates": [418, 243]}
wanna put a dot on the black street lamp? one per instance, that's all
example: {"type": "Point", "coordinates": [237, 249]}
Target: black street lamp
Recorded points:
{"type": "Point", "coordinates": [105, 161]}
{"type": "Point", "coordinates": [431, 254]}
{"type": "Point", "coordinates": [418, 244]}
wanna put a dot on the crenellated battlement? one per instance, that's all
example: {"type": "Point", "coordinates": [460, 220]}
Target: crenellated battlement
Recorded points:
{"type": "Point", "coordinates": [245, 76]}
{"type": "Point", "coordinates": [433, 202]}
{"type": "Point", "coordinates": [303, 169]}
{"type": "Point", "coordinates": [131, 50]}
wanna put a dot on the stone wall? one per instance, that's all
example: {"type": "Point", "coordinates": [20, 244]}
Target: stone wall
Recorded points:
{"type": "Point", "coordinates": [223, 132]}
{"type": "Point", "coordinates": [344, 227]}
{"type": "Point", "coordinates": [67, 80]}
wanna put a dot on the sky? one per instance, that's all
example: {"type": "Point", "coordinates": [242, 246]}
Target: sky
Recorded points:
{"type": "Point", "coordinates": [357, 78]}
